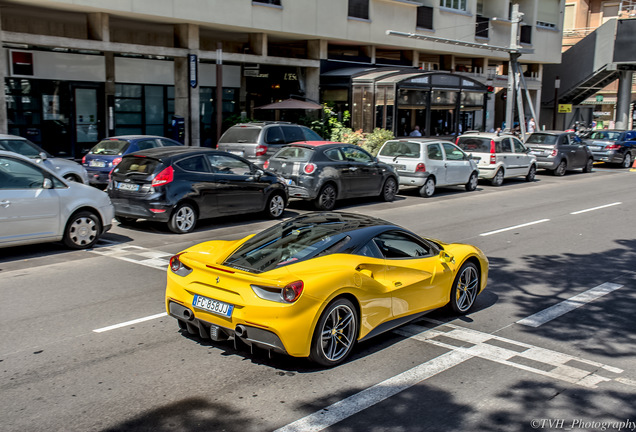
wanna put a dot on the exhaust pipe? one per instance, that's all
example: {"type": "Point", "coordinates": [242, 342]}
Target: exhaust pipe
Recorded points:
{"type": "Point", "coordinates": [187, 314]}
{"type": "Point", "coordinates": [240, 331]}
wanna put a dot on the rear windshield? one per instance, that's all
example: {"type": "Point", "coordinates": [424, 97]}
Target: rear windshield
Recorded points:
{"type": "Point", "coordinates": [602, 135]}
{"type": "Point", "coordinates": [288, 243]}
{"type": "Point", "coordinates": [136, 165]}
{"type": "Point", "coordinates": [539, 138]}
{"type": "Point", "coordinates": [400, 148]}
{"type": "Point", "coordinates": [241, 134]}
{"type": "Point", "coordinates": [474, 144]}
{"type": "Point", "coordinates": [109, 147]}
{"type": "Point", "coordinates": [297, 154]}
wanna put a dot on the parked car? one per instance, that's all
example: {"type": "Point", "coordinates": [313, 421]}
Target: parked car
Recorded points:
{"type": "Point", "coordinates": [314, 285]}
{"type": "Point", "coordinates": [107, 153]}
{"type": "Point", "coordinates": [180, 185]}
{"type": "Point", "coordinates": [428, 163]}
{"type": "Point", "coordinates": [324, 172]}
{"type": "Point", "coordinates": [37, 206]}
{"type": "Point", "coordinates": [613, 146]}
{"type": "Point", "coordinates": [258, 141]}
{"type": "Point", "coordinates": [560, 151]}
{"type": "Point", "coordinates": [67, 169]}
{"type": "Point", "coordinates": [500, 156]}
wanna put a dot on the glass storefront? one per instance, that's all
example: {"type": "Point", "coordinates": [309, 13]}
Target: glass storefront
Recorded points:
{"type": "Point", "coordinates": [143, 109]}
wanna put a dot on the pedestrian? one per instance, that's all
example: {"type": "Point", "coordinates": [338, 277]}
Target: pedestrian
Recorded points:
{"type": "Point", "coordinates": [416, 132]}
{"type": "Point", "coordinates": [531, 125]}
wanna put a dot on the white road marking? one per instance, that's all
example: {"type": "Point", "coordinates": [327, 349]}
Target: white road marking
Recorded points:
{"type": "Point", "coordinates": [127, 323]}
{"type": "Point", "coordinates": [596, 208]}
{"type": "Point", "coordinates": [513, 227]}
{"type": "Point", "coordinates": [136, 255]}
{"type": "Point", "coordinates": [568, 305]}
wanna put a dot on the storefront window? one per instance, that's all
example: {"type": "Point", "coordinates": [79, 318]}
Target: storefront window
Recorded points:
{"type": "Point", "coordinates": [143, 109]}
{"type": "Point", "coordinates": [207, 97]}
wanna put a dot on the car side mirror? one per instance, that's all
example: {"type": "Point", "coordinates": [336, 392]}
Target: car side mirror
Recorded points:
{"type": "Point", "coordinates": [42, 155]}
{"type": "Point", "coordinates": [258, 174]}
{"type": "Point", "coordinates": [446, 257]}
{"type": "Point", "coordinates": [47, 183]}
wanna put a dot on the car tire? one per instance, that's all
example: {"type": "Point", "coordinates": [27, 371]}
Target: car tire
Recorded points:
{"type": "Point", "coordinates": [125, 220]}
{"type": "Point", "coordinates": [183, 219]}
{"type": "Point", "coordinates": [326, 199]}
{"type": "Point", "coordinates": [428, 189]}
{"type": "Point", "coordinates": [465, 288]}
{"type": "Point", "coordinates": [560, 169]}
{"type": "Point", "coordinates": [498, 179]}
{"type": "Point", "coordinates": [472, 182]}
{"type": "Point", "coordinates": [82, 230]}
{"type": "Point", "coordinates": [389, 190]}
{"type": "Point", "coordinates": [589, 165]}
{"type": "Point", "coordinates": [335, 334]}
{"type": "Point", "coordinates": [275, 206]}
{"type": "Point", "coordinates": [532, 173]}
{"type": "Point", "coordinates": [627, 161]}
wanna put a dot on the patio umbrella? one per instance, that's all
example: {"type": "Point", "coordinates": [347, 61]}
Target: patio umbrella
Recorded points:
{"type": "Point", "coordinates": [291, 104]}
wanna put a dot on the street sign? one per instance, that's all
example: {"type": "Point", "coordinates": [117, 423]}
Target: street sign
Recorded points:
{"type": "Point", "coordinates": [599, 98]}
{"type": "Point", "coordinates": [565, 108]}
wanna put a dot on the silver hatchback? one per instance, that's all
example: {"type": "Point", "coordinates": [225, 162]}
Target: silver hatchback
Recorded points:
{"type": "Point", "coordinates": [427, 163]}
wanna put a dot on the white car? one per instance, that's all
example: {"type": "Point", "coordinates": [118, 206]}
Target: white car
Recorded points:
{"type": "Point", "coordinates": [428, 163]}
{"type": "Point", "coordinates": [36, 206]}
{"type": "Point", "coordinates": [67, 169]}
{"type": "Point", "coordinates": [500, 156]}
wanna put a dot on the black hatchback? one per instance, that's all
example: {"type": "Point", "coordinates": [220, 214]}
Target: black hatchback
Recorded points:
{"type": "Point", "coordinates": [180, 185]}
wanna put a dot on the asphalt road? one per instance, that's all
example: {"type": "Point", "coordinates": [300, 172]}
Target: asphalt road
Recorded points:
{"type": "Point", "coordinates": [550, 345]}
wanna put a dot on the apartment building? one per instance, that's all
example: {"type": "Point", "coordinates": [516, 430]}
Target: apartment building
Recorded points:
{"type": "Point", "coordinates": [76, 72]}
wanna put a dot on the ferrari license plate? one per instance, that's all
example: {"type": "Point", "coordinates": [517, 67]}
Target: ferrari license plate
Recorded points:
{"type": "Point", "coordinates": [214, 306]}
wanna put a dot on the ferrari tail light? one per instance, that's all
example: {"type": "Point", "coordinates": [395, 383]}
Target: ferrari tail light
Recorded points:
{"type": "Point", "coordinates": [266, 164]}
{"type": "Point", "coordinates": [115, 162]}
{"type": "Point", "coordinates": [164, 177]}
{"type": "Point", "coordinates": [292, 291]}
{"type": "Point", "coordinates": [178, 267]}
{"type": "Point", "coordinates": [493, 151]}
{"type": "Point", "coordinates": [309, 168]}
{"type": "Point", "coordinates": [261, 150]}
{"type": "Point", "coordinates": [420, 167]}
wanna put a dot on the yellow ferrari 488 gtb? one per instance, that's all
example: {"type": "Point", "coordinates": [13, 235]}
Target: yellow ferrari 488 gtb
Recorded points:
{"type": "Point", "coordinates": [313, 285]}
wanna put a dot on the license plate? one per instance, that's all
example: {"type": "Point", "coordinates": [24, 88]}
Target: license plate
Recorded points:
{"type": "Point", "coordinates": [536, 152]}
{"type": "Point", "coordinates": [595, 148]}
{"type": "Point", "coordinates": [399, 167]}
{"type": "Point", "coordinates": [97, 164]}
{"type": "Point", "coordinates": [128, 186]}
{"type": "Point", "coordinates": [237, 152]}
{"type": "Point", "coordinates": [214, 306]}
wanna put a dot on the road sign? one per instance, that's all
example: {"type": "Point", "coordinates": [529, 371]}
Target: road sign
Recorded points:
{"type": "Point", "coordinates": [565, 108]}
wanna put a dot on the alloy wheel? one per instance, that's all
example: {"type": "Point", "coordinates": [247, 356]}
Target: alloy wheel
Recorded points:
{"type": "Point", "coordinates": [338, 333]}
{"type": "Point", "coordinates": [467, 286]}
{"type": "Point", "coordinates": [276, 206]}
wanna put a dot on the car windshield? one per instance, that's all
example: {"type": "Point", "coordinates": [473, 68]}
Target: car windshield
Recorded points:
{"type": "Point", "coordinates": [241, 134]}
{"type": "Point", "coordinates": [604, 135]}
{"type": "Point", "coordinates": [293, 153]}
{"type": "Point", "coordinates": [109, 147]}
{"type": "Point", "coordinates": [23, 147]}
{"type": "Point", "coordinates": [474, 144]}
{"type": "Point", "coordinates": [541, 138]}
{"type": "Point", "coordinates": [136, 165]}
{"type": "Point", "coordinates": [401, 148]}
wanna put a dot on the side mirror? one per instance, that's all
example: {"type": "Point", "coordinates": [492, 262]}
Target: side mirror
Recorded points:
{"type": "Point", "coordinates": [47, 183]}
{"type": "Point", "coordinates": [42, 155]}
{"type": "Point", "coordinates": [258, 174]}
{"type": "Point", "coordinates": [446, 257]}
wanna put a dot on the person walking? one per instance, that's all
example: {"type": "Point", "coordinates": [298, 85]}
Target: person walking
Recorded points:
{"type": "Point", "coordinates": [416, 132]}
{"type": "Point", "coordinates": [531, 125]}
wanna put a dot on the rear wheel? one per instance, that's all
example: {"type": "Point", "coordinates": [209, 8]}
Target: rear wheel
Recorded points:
{"type": "Point", "coordinates": [532, 173]}
{"type": "Point", "coordinates": [428, 189]}
{"type": "Point", "coordinates": [275, 206]}
{"type": "Point", "coordinates": [560, 169]}
{"type": "Point", "coordinates": [183, 219]}
{"type": "Point", "coordinates": [389, 190]}
{"type": "Point", "coordinates": [472, 182]}
{"type": "Point", "coordinates": [588, 165]}
{"type": "Point", "coordinates": [82, 230]}
{"type": "Point", "coordinates": [465, 288]}
{"type": "Point", "coordinates": [627, 161]}
{"type": "Point", "coordinates": [498, 179]}
{"type": "Point", "coordinates": [326, 199]}
{"type": "Point", "coordinates": [335, 334]}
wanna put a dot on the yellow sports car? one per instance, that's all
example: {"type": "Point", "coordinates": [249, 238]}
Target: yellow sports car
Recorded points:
{"type": "Point", "coordinates": [313, 285]}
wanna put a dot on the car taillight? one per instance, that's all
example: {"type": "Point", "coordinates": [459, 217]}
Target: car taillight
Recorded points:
{"type": "Point", "coordinates": [175, 263]}
{"type": "Point", "coordinates": [115, 162]}
{"type": "Point", "coordinates": [420, 167]}
{"type": "Point", "coordinates": [554, 152]}
{"type": "Point", "coordinates": [309, 168]}
{"type": "Point", "coordinates": [493, 151]}
{"type": "Point", "coordinates": [613, 147]}
{"type": "Point", "coordinates": [266, 164]}
{"type": "Point", "coordinates": [84, 160]}
{"type": "Point", "coordinates": [164, 177]}
{"type": "Point", "coordinates": [457, 141]}
{"type": "Point", "coordinates": [292, 291]}
{"type": "Point", "coordinates": [261, 150]}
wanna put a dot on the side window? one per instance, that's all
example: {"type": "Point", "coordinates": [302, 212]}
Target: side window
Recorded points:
{"type": "Point", "coordinates": [146, 144]}
{"type": "Point", "coordinates": [310, 135]}
{"type": "Point", "coordinates": [168, 143]}
{"type": "Point", "coordinates": [395, 244]}
{"type": "Point", "coordinates": [334, 154]}
{"type": "Point", "coordinates": [222, 164]}
{"type": "Point", "coordinates": [354, 154]}
{"type": "Point", "coordinates": [519, 148]}
{"type": "Point", "coordinates": [434, 152]}
{"type": "Point", "coordinates": [194, 163]}
{"type": "Point", "coordinates": [506, 145]}
{"type": "Point", "coordinates": [370, 250]}
{"type": "Point", "coordinates": [273, 135]}
{"type": "Point", "coordinates": [293, 134]}
{"type": "Point", "coordinates": [453, 153]}
{"type": "Point", "coordinates": [16, 174]}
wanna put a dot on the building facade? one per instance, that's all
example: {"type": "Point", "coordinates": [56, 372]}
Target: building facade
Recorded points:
{"type": "Point", "coordinates": [76, 72]}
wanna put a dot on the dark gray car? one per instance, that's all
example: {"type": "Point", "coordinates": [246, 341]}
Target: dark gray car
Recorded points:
{"type": "Point", "coordinates": [560, 151]}
{"type": "Point", "coordinates": [613, 146]}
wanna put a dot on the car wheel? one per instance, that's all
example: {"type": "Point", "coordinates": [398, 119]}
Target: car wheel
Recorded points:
{"type": "Point", "coordinates": [588, 165]}
{"type": "Point", "coordinates": [72, 178]}
{"type": "Point", "coordinates": [326, 199]}
{"type": "Point", "coordinates": [498, 179]}
{"type": "Point", "coordinates": [560, 169]}
{"type": "Point", "coordinates": [389, 189]}
{"type": "Point", "coordinates": [532, 173]}
{"type": "Point", "coordinates": [125, 220]}
{"type": "Point", "coordinates": [275, 206]}
{"type": "Point", "coordinates": [335, 333]}
{"type": "Point", "coordinates": [465, 288]}
{"type": "Point", "coordinates": [627, 161]}
{"type": "Point", "coordinates": [183, 219]}
{"type": "Point", "coordinates": [428, 189]}
{"type": "Point", "coordinates": [472, 182]}
{"type": "Point", "coordinates": [82, 230]}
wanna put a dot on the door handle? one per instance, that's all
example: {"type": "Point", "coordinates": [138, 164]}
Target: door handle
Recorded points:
{"type": "Point", "coordinates": [5, 203]}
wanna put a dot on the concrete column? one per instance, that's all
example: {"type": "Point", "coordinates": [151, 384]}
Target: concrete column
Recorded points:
{"type": "Point", "coordinates": [3, 100]}
{"type": "Point", "coordinates": [416, 59]}
{"type": "Point", "coordinates": [109, 93]}
{"type": "Point", "coordinates": [624, 99]}
{"type": "Point", "coordinates": [186, 98]}
{"type": "Point", "coordinates": [258, 43]}
{"type": "Point", "coordinates": [98, 26]}
{"type": "Point", "coordinates": [312, 84]}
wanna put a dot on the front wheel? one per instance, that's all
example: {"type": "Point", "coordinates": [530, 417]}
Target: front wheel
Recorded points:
{"type": "Point", "coordinates": [82, 230]}
{"type": "Point", "coordinates": [428, 189]}
{"type": "Point", "coordinates": [183, 219]}
{"type": "Point", "coordinates": [465, 288]}
{"type": "Point", "coordinates": [389, 190]}
{"type": "Point", "coordinates": [532, 173]}
{"type": "Point", "coordinates": [275, 206]}
{"type": "Point", "coordinates": [588, 165]}
{"type": "Point", "coordinates": [326, 199]}
{"type": "Point", "coordinates": [472, 182]}
{"type": "Point", "coordinates": [627, 161]}
{"type": "Point", "coordinates": [498, 179]}
{"type": "Point", "coordinates": [335, 333]}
